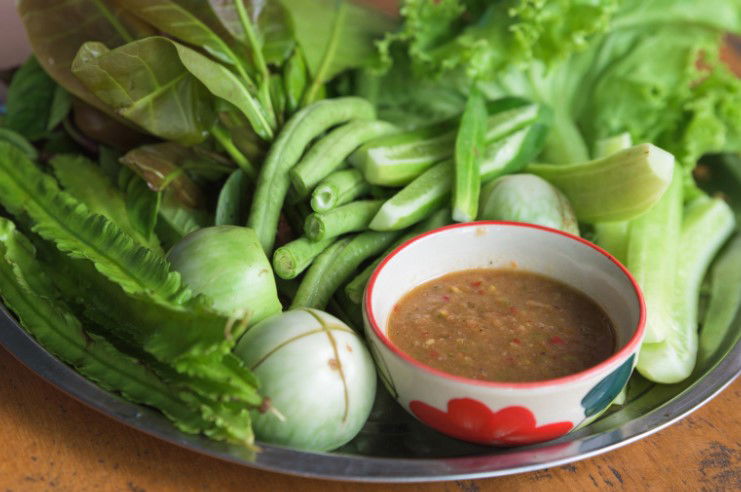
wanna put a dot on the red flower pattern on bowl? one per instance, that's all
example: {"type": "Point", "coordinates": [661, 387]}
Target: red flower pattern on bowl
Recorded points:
{"type": "Point", "coordinates": [471, 420]}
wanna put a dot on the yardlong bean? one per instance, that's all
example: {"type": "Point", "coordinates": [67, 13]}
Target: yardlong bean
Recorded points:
{"type": "Point", "coordinates": [293, 258]}
{"type": "Point", "coordinates": [330, 152]}
{"type": "Point", "coordinates": [337, 189]}
{"type": "Point", "coordinates": [338, 262]}
{"type": "Point", "coordinates": [301, 128]}
{"type": "Point", "coordinates": [354, 216]}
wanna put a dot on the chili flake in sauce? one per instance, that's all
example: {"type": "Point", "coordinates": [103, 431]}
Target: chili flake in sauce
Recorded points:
{"type": "Point", "coordinates": [501, 325]}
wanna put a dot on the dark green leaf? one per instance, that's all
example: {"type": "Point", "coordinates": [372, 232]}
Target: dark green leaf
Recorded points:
{"type": "Point", "coordinates": [58, 28]}
{"type": "Point", "coordinates": [29, 100]}
{"type": "Point", "coordinates": [145, 82]}
{"type": "Point", "coordinates": [60, 107]}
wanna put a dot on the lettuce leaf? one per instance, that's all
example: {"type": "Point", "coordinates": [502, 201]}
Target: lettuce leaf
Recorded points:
{"type": "Point", "coordinates": [647, 67]}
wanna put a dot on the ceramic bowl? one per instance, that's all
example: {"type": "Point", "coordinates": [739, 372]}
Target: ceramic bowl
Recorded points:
{"type": "Point", "coordinates": [504, 414]}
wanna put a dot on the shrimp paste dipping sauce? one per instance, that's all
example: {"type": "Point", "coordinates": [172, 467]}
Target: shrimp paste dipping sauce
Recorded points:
{"type": "Point", "coordinates": [502, 325]}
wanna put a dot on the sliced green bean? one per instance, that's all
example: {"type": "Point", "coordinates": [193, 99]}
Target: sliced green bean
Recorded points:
{"type": "Point", "coordinates": [293, 258]}
{"type": "Point", "coordinates": [338, 262]}
{"type": "Point", "coordinates": [338, 188]}
{"type": "Point", "coordinates": [427, 192]}
{"type": "Point", "coordinates": [397, 159]}
{"type": "Point", "coordinates": [469, 150]}
{"type": "Point", "coordinates": [355, 288]}
{"type": "Point", "coordinates": [301, 128]}
{"type": "Point", "coordinates": [330, 152]}
{"type": "Point", "coordinates": [353, 217]}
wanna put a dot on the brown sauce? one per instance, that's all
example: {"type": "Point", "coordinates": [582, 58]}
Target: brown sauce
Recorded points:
{"type": "Point", "coordinates": [501, 325]}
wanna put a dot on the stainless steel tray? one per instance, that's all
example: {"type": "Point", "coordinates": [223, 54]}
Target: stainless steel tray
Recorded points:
{"type": "Point", "coordinates": [393, 447]}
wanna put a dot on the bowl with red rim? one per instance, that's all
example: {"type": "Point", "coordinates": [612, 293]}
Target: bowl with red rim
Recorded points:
{"type": "Point", "coordinates": [504, 413]}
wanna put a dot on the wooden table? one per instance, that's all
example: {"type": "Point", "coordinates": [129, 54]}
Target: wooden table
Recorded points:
{"type": "Point", "coordinates": [52, 442]}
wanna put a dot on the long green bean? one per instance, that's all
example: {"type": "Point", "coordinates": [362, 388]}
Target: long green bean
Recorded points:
{"type": "Point", "coordinates": [329, 153]}
{"type": "Point", "coordinates": [338, 262]}
{"type": "Point", "coordinates": [354, 216]}
{"type": "Point", "coordinates": [428, 191]}
{"type": "Point", "coordinates": [301, 128]}
{"type": "Point", "coordinates": [338, 188]}
{"type": "Point", "coordinates": [398, 158]}
{"type": "Point", "coordinates": [293, 258]}
{"type": "Point", "coordinates": [355, 288]}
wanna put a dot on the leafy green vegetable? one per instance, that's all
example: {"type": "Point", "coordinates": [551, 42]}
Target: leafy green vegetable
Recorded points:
{"type": "Point", "coordinates": [17, 140]}
{"type": "Point", "coordinates": [167, 100]}
{"type": "Point", "coordinates": [25, 288]}
{"type": "Point", "coordinates": [355, 48]}
{"type": "Point", "coordinates": [61, 218]}
{"type": "Point", "coordinates": [87, 183]}
{"type": "Point", "coordinates": [58, 29]}
{"type": "Point", "coordinates": [30, 99]}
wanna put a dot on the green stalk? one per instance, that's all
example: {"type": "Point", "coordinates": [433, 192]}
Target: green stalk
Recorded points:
{"type": "Point", "coordinates": [652, 255]}
{"type": "Point", "coordinates": [226, 143]}
{"type": "Point", "coordinates": [707, 224]}
{"type": "Point", "coordinates": [329, 54]}
{"type": "Point", "coordinates": [262, 67]}
{"type": "Point", "coordinates": [613, 236]}
{"type": "Point", "coordinates": [618, 187]}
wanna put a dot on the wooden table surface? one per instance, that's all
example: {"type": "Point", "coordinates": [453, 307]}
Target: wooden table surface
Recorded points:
{"type": "Point", "coordinates": [52, 442]}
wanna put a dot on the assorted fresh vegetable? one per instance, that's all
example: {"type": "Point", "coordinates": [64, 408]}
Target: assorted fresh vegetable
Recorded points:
{"type": "Point", "coordinates": [154, 153]}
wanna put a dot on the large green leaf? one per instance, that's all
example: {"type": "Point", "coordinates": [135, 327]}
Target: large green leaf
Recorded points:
{"type": "Point", "coordinates": [59, 217]}
{"type": "Point", "coordinates": [57, 29]}
{"type": "Point", "coordinates": [87, 182]}
{"type": "Point", "coordinates": [191, 21]}
{"type": "Point", "coordinates": [312, 20]}
{"type": "Point", "coordinates": [145, 82]}
{"type": "Point", "coordinates": [161, 85]}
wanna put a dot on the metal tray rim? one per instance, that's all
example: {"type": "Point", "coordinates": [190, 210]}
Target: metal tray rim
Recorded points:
{"type": "Point", "coordinates": [357, 468]}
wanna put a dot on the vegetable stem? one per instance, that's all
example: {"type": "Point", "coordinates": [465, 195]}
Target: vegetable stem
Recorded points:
{"type": "Point", "coordinates": [262, 67]}
{"type": "Point", "coordinates": [328, 56]}
{"type": "Point", "coordinates": [226, 143]}
{"type": "Point", "coordinates": [293, 258]}
{"type": "Point", "coordinates": [337, 189]}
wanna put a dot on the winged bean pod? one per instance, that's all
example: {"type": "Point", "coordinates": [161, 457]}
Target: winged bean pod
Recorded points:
{"type": "Point", "coordinates": [329, 153]}
{"type": "Point", "coordinates": [302, 128]}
